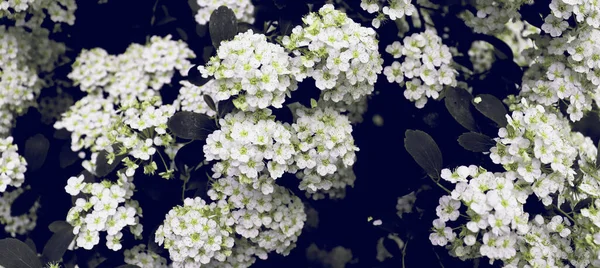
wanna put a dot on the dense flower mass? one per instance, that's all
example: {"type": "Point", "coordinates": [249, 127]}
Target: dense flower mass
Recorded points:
{"type": "Point", "coordinates": [191, 98]}
{"type": "Point", "coordinates": [426, 62]}
{"type": "Point", "coordinates": [136, 74]}
{"type": "Point", "coordinates": [12, 165]}
{"type": "Point", "coordinates": [259, 73]}
{"type": "Point", "coordinates": [33, 12]}
{"type": "Point", "coordinates": [243, 10]}
{"type": "Point", "coordinates": [17, 224]}
{"type": "Point", "coordinates": [197, 233]}
{"type": "Point", "coordinates": [103, 207]}
{"type": "Point", "coordinates": [142, 257]}
{"type": "Point", "coordinates": [338, 53]}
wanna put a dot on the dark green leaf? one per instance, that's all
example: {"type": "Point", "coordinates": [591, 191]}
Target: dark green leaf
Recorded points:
{"type": "Point", "coordinates": [66, 156]}
{"type": "Point", "coordinates": [56, 247]}
{"type": "Point", "coordinates": [476, 142]}
{"type": "Point", "coordinates": [222, 25]}
{"type": "Point", "coordinates": [192, 126]}
{"type": "Point", "coordinates": [16, 254]}
{"type": "Point", "coordinates": [458, 103]}
{"type": "Point", "coordinates": [190, 155]}
{"type": "Point", "coordinates": [195, 77]}
{"type": "Point", "coordinates": [583, 204]}
{"type": "Point", "coordinates": [182, 34]}
{"type": "Point", "coordinates": [152, 245]}
{"type": "Point", "coordinates": [503, 51]}
{"type": "Point", "coordinates": [31, 244]}
{"type": "Point", "coordinates": [166, 20]}
{"type": "Point", "coordinates": [194, 6]}
{"type": "Point", "coordinates": [57, 226]}
{"type": "Point", "coordinates": [23, 203]}
{"type": "Point", "coordinates": [36, 150]}
{"type": "Point", "coordinates": [210, 102]}
{"type": "Point", "coordinates": [62, 134]}
{"type": "Point", "coordinates": [225, 107]}
{"type": "Point", "coordinates": [424, 151]}
{"type": "Point", "coordinates": [492, 108]}
{"type": "Point", "coordinates": [103, 168]}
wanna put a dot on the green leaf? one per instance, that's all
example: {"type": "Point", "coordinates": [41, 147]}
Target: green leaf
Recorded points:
{"type": "Point", "coordinates": [476, 142]}
{"type": "Point", "coordinates": [222, 25]}
{"type": "Point", "coordinates": [192, 126]}
{"type": "Point", "coordinates": [195, 77]}
{"type": "Point", "coordinates": [57, 226]}
{"type": "Point", "coordinates": [225, 107]}
{"type": "Point", "coordinates": [458, 103]}
{"type": "Point", "coordinates": [165, 20]}
{"type": "Point", "coordinates": [31, 244]}
{"type": "Point", "coordinates": [492, 108]}
{"type": "Point", "coordinates": [56, 247]}
{"type": "Point", "coordinates": [16, 254]}
{"type": "Point", "coordinates": [210, 102]}
{"type": "Point", "coordinates": [424, 151]}
{"type": "Point", "coordinates": [182, 34]}
{"type": "Point", "coordinates": [583, 204]}
{"type": "Point", "coordinates": [67, 157]}
{"type": "Point", "coordinates": [104, 168]}
{"type": "Point", "coordinates": [36, 150]}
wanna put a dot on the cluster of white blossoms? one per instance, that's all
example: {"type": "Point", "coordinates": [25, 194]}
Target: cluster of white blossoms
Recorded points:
{"type": "Point", "coordinates": [340, 54]}
{"type": "Point", "coordinates": [259, 73]}
{"type": "Point", "coordinates": [197, 233]}
{"type": "Point", "coordinates": [324, 142]}
{"type": "Point", "coordinates": [405, 204]}
{"type": "Point", "coordinates": [12, 165]}
{"type": "Point", "coordinates": [191, 98]}
{"type": "Point", "coordinates": [395, 9]}
{"type": "Point", "coordinates": [492, 16]}
{"type": "Point", "coordinates": [332, 186]}
{"type": "Point", "coordinates": [426, 62]}
{"type": "Point", "coordinates": [247, 143]}
{"type": "Point", "coordinates": [482, 56]}
{"type": "Point", "coordinates": [142, 257]}
{"type": "Point", "coordinates": [586, 14]}
{"type": "Point", "coordinates": [24, 54]}
{"type": "Point", "coordinates": [338, 257]}
{"type": "Point", "coordinates": [136, 74]}
{"type": "Point", "coordinates": [104, 206]}
{"type": "Point", "coordinates": [19, 224]}
{"type": "Point", "coordinates": [243, 10]}
{"type": "Point", "coordinates": [32, 13]}
{"type": "Point", "coordinates": [270, 222]}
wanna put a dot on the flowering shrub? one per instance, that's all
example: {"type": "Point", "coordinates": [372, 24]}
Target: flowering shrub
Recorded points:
{"type": "Point", "coordinates": [266, 133]}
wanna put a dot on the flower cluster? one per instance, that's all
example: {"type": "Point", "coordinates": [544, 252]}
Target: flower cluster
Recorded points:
{"type": "Point", "coordinates": [243, 10]}
{"type": "Point", "coordinates": [332, 186]}
{"type": "Point", "coordinates": [33, 12]}
{"type": "Point", "coordinates": [20, 224]}
{"type": "Point", "coordinates": [138, 73]}
{"type": "Point", "coordinates": [247, 142]}
{"type": "Point", "coordinates": [142, 257]}
{"type": "Point", "coordinates": [395, 9]}
{"type": "Point", "coordinates": [12, 165]}
{"type": "Point", "coordinates": [405, 204]}
{"type": "Point", "coordinates": [105, 206]}
{"type": "Point", "coordinates": [427, 63]}
{"type": "Point", "coordinates": [324, 142]}
{"type": "Point", "coordinates": [338, 257]}
{"type": "Point", "coordinates": [491, 16]}
{"type": "Point", "coordinates": [259, 73]}
{"type": "Point", "coordinates": [271, 222]}
{"type": "Point", "coordinates": [191, 98]}
{"type": "Point", "coordinates": [586, 14]}
{"type": "Point", "coordinates": [24, 53]}
{"type": "Point", "coordinates": [341, 55]}
{"type": "Point", "coordinates": [197, 233]}
{"type": "Point", "coordinates": [481, 55]}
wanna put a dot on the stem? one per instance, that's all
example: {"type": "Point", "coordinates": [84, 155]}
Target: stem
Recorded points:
{"type": "Point", "coordinates": [441, 186]}
{"type": "Point", "coordinates": [566, 214]}
{"type": "Point", "coordinates": [153, 13]}
{"type": "Point", "coordinates": [163, 160]}
{"type": "Point", "coordinates": [404, 253]}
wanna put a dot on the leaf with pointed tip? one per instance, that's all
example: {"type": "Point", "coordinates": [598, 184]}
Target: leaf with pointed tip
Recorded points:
{"type": "Point", "coordinates": [103, 168]}
{"type": "Point", "coordinates": [191, 126]}
{"type": "Point", "coordinates": [492, 108]}
{"type": "Point", "coordinates": [458, 102]}
{"type": "Point", "coordinates": [14, 253]}
{"type": "Point", "coordinates": [222, 25]}
{"type": "Point", "coordinates": [424, 151]}
{"type": "Point", "coordinates": [31, 244]}
{"type": "Point", "coordinates": [166, 20]}
{"type": "Point", "coordinates": [56, 247]}
{"type": "Point", "coordinates": [195, 77]}
{"type": "Point", "coordinates": [66, 156]}
{"type": "Point", "coordinates": [56, 226]}
{"type": "Point", "coordinates": [210, 102]}
{"type": "Point", "coordinates": [36, 150]}
{"type": "Point", "coordinates": [476, 142]}
{"type": "Point", "coordinates": [225, 107]}
{"type": "Point", "coordinates": [190, 155]}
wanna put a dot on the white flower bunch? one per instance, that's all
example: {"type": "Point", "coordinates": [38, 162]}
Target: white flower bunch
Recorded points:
{"type": "Point", "coordinates": [324, 142]}
{"type": "Point", "coordinates": [242, 256]}
{"type": "Point", "coordinates": [105, 206]}
{"type": "Point", "coordinates": [586, 13]}
{"type": "Point", "coordinates": [482, 56]}
{"type": "Point", "coordinates": [23, 55]}
{"type": "Point", "coordinates": [353, 111]}
{"type": "Point", "coordinates": [395, 9]}
{"type": "Point", "coordinates": [87, 121]}
{"type": "Point", "coordinates": [7, 120]}
{"type": "Point", "coordinates": [247, 143]}
{"type": "Point", "coordinates": [405, 204]}
{"type": "Point", "coordinates": [331, 185]}
{"type": "Point", "coordinates": [144, 258]}
{"type": "Point", "coordinates": [337, 257]}
{"type": "Point", "coordinates": [341, 55]}
{"type": "Point", "coordinates": [191, 98]}
{"type": "Point", "coordinates": [243, 10]}
{"type": "Point", "coordinates": [21, 224]}
{"type": "Point", "coordinates": [259, 73]}
{"type": "Point", "coordinates": [12, 165]}
{"type": "Point", "coordinates": [517, 35]}
{"type": "Point", "coordinates": [427, 63]}
{"type": "Point", "coordinates": [271, 222]}
{"type": "Point", "coordinates": [138, 73]}
{"type": "Point", "coordinates": [197, 233]}
{"type": "Point", "coordinates": [32, 13]}
{"type": "Point", "coordinates": [491, 16]}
